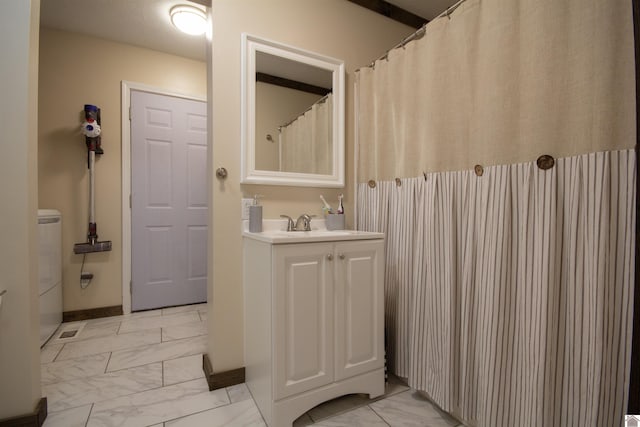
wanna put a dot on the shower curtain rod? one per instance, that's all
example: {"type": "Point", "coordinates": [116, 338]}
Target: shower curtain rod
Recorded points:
{"type": "Point", "coordinates": [418, 34]}
{"type": "Point", "coordinates": [318, 102]}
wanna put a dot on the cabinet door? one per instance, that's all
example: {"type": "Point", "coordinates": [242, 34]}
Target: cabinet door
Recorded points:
{"type": "Point", "coordinates": [359, 292]}
{"type": "Point", "coordinates": [303, 317]}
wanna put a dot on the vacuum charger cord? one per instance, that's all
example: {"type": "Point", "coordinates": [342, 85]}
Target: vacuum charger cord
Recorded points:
{"type": "Point", "coordinates": [85, 278]}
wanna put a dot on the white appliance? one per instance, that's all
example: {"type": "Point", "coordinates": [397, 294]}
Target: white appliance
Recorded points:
{"type": "Point", "coordinates": [50, 271]}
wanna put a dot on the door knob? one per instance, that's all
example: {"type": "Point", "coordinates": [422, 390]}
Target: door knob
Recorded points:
{"type": "Point", "coordinates": [341, 256]}
{"type": "Point", "coordinates": [221, 173]}
{"type": "Point", "coordinates": [330, 257]}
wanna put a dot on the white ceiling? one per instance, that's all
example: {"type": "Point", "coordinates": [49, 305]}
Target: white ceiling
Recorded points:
{"type": "Point", "coordinates": [143, 23]}
{"type": "Point", "coordinates": [146, 23]}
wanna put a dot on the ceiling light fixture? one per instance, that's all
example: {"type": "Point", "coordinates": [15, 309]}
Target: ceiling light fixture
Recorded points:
{"type": "Point", "coordinates": [189, 19]}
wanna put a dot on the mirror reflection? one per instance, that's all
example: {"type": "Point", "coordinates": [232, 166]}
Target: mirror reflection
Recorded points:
{"type": "Point", "coordinates": [293, 113]}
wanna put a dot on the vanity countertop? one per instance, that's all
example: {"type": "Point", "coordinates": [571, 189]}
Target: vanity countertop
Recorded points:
{"type": "Point", "coordinates": [274, 231]}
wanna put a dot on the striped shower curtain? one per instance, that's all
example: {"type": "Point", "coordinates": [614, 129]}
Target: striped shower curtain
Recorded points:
{"type": "Point", "coordinates": [509, 296]}
{"type": "Point", "coordinates": [508, 292]}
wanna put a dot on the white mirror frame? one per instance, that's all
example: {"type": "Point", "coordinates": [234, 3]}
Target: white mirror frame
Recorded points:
{"type": "Point", "coordinates": [250, 175]}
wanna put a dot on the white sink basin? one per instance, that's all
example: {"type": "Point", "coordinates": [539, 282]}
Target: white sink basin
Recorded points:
{"type": "Point", "coordinates": [312, 233]}
{"type": "Point", "coordinates": [320, 235]}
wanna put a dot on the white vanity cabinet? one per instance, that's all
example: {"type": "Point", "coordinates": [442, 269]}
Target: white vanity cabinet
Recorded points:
{"type": "Point", "coordinates": [314, 321]}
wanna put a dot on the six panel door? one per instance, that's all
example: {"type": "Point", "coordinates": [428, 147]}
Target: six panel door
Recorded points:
{"type": "Point", "coordinates": [169, 211]}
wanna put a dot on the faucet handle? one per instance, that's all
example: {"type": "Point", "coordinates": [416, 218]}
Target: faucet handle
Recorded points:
{"type": "Point", "coordinates": [290, 224]}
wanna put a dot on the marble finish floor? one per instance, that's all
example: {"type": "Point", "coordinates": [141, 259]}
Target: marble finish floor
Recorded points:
{"type": "Point", "coordinates": [145, 370]}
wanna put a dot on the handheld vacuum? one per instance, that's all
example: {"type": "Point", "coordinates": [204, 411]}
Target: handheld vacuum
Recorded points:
{"type": "Point", "coordinates": [91, 130]}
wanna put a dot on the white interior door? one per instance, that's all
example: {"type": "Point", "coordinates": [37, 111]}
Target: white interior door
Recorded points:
{"type": "Point", "coordinates": [168, 201]}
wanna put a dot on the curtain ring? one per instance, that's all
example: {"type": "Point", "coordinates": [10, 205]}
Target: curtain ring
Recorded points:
{"type": "Point", "coordinates": [372, 183]}
{"type": "Point", "coordinates": [398, 182]}
{"type": "Point", "coordinates": [479, 170]}
{"type": "Point", "coordinates": [545, 162]}
{"type": "Point", "coordinates": [425, 175]}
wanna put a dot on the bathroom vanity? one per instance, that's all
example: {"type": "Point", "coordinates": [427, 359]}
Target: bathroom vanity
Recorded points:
{"type": "Point", "coordinates": [314, 318]}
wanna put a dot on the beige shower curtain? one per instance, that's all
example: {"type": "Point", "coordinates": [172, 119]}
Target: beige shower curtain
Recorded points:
{"type": "Point", "coordinates": [305, 142]}
{"type": "Point", "coordinates": [508, 295]}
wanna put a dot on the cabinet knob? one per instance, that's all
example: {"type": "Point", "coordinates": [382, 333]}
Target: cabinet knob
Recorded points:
{"type": "Point", "coordinates": [330, 257]}
{"type": "Point", "coordinates": [341, 256]}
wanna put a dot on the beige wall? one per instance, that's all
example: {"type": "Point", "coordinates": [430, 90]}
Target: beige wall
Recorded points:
{"type": "Point", "coordinates": [19, 317]}
{"type": "Point", "coordinates": [275, 106]}
{"type": "Point", "coordinates": [77, 70]}
{"type": "Point", "coordinates": [334, 28]}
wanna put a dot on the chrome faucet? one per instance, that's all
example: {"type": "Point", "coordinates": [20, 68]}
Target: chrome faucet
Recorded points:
{"type": "Point", "coordinates": [302, 224]}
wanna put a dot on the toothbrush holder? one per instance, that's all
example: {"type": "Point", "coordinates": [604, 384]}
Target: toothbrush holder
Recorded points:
{"type": "Point", "coordinates": [334, 221]}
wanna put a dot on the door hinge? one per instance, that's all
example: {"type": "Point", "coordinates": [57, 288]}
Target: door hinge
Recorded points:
{"type": "Point", "coordinates": [130, 287]}
{"type": "Point", "coordinates": [129, 113]}
{"type": "Point", "coordinates": [130, 201]}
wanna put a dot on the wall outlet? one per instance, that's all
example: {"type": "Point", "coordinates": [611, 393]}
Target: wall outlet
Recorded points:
{"type": "Point", "coordinates": [245, 207]}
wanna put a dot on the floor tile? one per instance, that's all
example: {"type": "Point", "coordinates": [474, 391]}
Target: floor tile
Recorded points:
{"type": "Point", "coordinates": [117, 319]}
{"type": "Point", "coordinates": [182, 369]}
{"type": "Point", "coordinates": [183, 308]}
{"type": "Point", "coordinates": [70, 394]}
{"type": "Point", "coordinates": [351, 401]}
{"type": "Point", "coordinates": [361, 417]}
{"type": "Point", "coordinates": [100, 322]}
{"type": "Point", "coordinates": [72, 369]}
{"type": "Point", "coordinates": [153, 322]}
{"type": "Point", "coordinates": [170, 333]}
{"type": "Point", "coordinates": [303, 421]}
{"type": "Point", "coordinates": [156, 406]}
{"type": "Point", "coordinates": [86, 330]}
{"type": "Point", "coordinates": [106, 344]}
{"type": "Point", "coordinates": [338, 406]}
{"type": "Point", "coordinates": [238, 393]}
{"type": "Point", "coordinates": [144, 313]}
{"type": "Point", "coordinates": [156, 353]}
{"type": "Point", "coordinates": [95, 331]}
{"type": "Point", "coordinates": [49, 352]}
{"type": "Point", "coordinates": [394, 385]}
{"type": "Point", "coordinates": [75, 417]}
{"type": "Point", "coordinates": [409, 409]}
{"type": "Point", "coordinates": [240, 414]}
{"type": "Point", "coordinates": [154, 379]}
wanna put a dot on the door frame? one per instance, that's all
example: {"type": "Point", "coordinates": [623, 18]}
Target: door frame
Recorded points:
{"type": "Point", "coordinates": [126, 88]}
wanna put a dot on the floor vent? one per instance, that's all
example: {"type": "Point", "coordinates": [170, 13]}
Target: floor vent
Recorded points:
{"type": "Point", "coordinates": [68, 334]}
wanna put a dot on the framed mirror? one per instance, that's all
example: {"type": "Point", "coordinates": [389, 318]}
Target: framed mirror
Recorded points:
{"type": "Point", "coordinates": [292, 116]}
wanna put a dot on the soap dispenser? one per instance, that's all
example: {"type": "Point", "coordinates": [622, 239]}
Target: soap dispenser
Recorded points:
{"type": "Point", "coordinates": [255, 216]}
